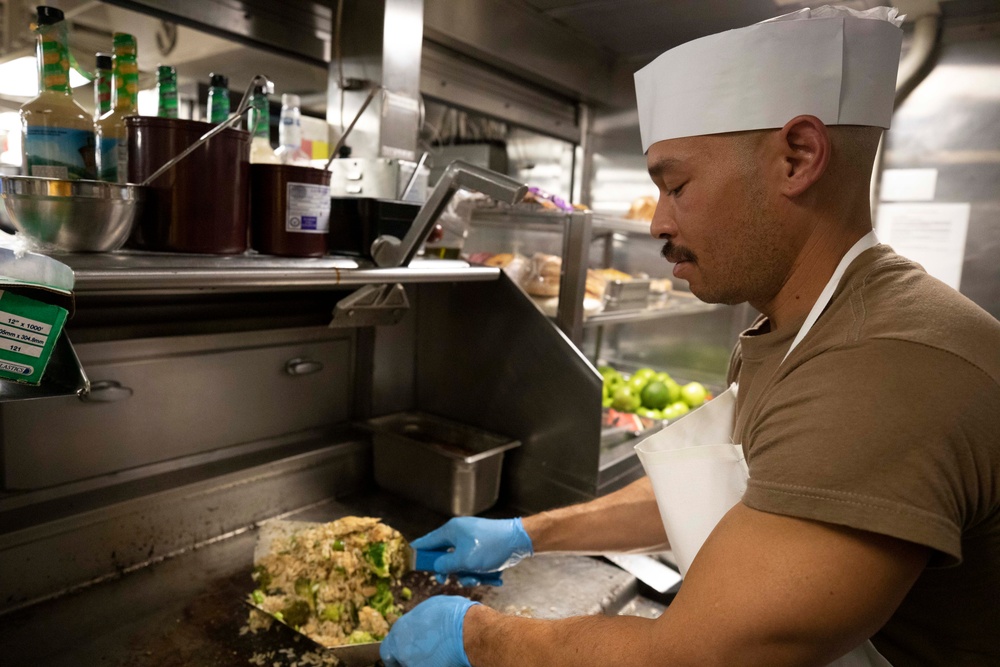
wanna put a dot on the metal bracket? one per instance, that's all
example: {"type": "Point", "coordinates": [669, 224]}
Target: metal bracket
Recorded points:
{"type": "Point", "coordinates": [371, 305]}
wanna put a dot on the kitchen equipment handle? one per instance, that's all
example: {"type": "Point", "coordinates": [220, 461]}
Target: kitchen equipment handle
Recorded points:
{"type": "Point", "coordinates": [388, 251]}
{"type": "Point", "coordinates": [343, 137]}
{"type": "Point", "coordinates": [241, 109]}
{"type": "Point", "coordinates": [301, 366]}
{"type": "Point", "coordinates": [413, 177]}
{"type": "Point", "coordinates": [106, 391]}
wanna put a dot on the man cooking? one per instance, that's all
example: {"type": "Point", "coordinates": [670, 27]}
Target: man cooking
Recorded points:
{"type": "Point", "coordinates": [840, 504]}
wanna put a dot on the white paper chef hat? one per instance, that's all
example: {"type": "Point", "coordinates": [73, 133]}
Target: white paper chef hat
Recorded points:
{"type": "Point", "coordinates": [832, 62]}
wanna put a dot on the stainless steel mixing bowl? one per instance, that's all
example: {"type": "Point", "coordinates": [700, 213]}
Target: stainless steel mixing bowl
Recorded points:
{"type": "Point", "coordinates": [71, 216]}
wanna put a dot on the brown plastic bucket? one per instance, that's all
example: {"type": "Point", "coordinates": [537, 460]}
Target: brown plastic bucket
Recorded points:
{"type": "Point", "coordinates": [199, 206]}
{"type": "Point", "coordinates": [289, 210]}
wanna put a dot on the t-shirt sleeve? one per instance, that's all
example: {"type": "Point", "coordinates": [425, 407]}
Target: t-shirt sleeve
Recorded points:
{"type": "Point", "coordinates": [889, 437]}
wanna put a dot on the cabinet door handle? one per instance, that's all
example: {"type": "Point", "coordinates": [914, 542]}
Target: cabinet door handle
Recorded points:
{"type": "Point", "coordinates": [303, 366]}
{"type": "Point", "coordinates": [106, 391]}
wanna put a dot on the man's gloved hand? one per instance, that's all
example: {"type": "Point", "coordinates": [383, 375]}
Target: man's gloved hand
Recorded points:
{"type": "Point", "coordinates": [481, 548]}
{"type": "Point", "coordinates": [429, 635]}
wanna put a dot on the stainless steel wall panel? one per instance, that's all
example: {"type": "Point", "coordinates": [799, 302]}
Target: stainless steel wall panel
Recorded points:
{"type": "Point", "coordinates": [379, 44]}
{"type": "Point", "coordinates": [468, 84]}
{"type": "Point", "coordinates": [951, 123]}
{"type": "Point", "coordinates": [394, 366]}
{"type": "Point", "coordinates": [189, 394]}
{"type": "Point", "coordinates": [519, 40]}
{"type": "Point", "coordinates": [486, 356]}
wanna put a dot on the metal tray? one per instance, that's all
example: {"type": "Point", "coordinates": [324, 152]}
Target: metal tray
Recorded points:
{"type": "Point", "coordinates": [449, 467]}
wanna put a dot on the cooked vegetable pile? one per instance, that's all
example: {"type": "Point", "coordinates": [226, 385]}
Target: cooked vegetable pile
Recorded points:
{"type": "Point", "coordinates": [335, 582]}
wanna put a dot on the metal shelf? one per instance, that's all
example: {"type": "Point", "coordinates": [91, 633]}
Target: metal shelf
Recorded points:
{"type": "Point", "coordinates": [676, 305]}
{"type": "Point", "coordinates": [135, 272]}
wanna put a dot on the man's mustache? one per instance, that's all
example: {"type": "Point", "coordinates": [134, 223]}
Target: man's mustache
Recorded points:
{"type": "Point", "coordinates": [674, 253]}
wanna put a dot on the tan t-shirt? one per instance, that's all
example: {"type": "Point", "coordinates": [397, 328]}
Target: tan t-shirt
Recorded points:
{"type": "Point", "coordinates": [886, 418]}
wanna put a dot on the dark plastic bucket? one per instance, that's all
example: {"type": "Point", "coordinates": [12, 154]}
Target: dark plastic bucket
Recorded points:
{"type": "Point", "coordinates": [289, 210]}
{"type": "Point", "coordinates": [199, 206]}
{"type": "Point", "coordinates": [355, 222]}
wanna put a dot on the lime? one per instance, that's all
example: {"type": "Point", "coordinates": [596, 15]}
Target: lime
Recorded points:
{"type": "Point", "coordinates": [606, 402]}
{"type": "Point", "coordinates": [675, 410]}
{"type": "Point", "coordinates": [647, 413]}
{"type": "Point", "coordinates": [655, 395]}
{"type": "Point", "coordinates": [625, 399]}
{"type": "Point", "coordinates": [694, 394]}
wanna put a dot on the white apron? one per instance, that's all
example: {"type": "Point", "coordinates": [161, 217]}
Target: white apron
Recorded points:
{"type": "Point", "coordinates": [698, 474]}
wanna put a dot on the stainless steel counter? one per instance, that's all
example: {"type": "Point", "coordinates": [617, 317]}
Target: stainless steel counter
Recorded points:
{"type": "Point", "coordinates": [137, 272]}
{"type": "Point", "coordinates": [187, 611]}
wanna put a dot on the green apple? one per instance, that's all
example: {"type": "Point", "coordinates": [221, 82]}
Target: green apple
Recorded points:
{"type": "Point", "coordinates": [675, 410]}
{"type": "Point", "coordinates": [625, 399]}
{"type": "Point", "coordinates": [637, 383]}
{"type": "Point", "coordinates": [694, 394]}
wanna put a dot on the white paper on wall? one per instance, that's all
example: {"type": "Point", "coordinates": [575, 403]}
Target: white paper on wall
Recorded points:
{"type": "Point", "coordinates": [933, 235]}
{"type": "Point", "coordinates": [908, 185]}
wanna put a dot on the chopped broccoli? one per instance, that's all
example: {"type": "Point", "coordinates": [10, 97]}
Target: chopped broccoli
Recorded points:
{"type": "Point", "coordinates": [257, 596]}
{"type": "Point", "coordinates": [360, 637]}
{"type": "Point", "coordinates": [338, 545]}
{"type": "Point", "coordinates": [262, 577]}
{"type": "Point", "coordinates": [302, 586]}
{"type": "Point", "coordinates": [296, 614]}
{"type": "Point", "coordinates": [332, 612]}
{"type": "Point", "coordinates": [382, 601]}
{"type": "Point", "coordinates": [377, 559]}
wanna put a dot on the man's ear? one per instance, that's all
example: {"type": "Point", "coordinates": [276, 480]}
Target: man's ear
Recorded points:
{"type": "Point", "coordinates": [805, 145]}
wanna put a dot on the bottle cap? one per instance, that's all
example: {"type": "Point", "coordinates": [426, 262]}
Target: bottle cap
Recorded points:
{"type": "Point", "coordinates": [260, 89]}
{"type": "Point", "coordinates": [289, 100]}
{"type": "Point", "coordinates": [49, 15]}
{"type": "Point", "coordinates": [124, 44]}
{"type": "Point", "coordinates": [218, 80]}
{"type": "Point", "coordinates": [104, 61]}
{"type": "Point", "coordinates": [166, 71]}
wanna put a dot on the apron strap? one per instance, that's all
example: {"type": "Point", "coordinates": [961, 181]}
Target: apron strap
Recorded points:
{"type": "Point", "coordinates": [867, 241]}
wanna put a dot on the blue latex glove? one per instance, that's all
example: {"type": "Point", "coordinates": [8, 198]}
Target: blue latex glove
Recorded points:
{"type": "Point", "coordinates": [429, 635]}
{"type": "Point", "coordinates": [480, 548]}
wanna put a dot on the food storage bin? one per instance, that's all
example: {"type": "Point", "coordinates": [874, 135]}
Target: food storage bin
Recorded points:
{"type": "Point", "coordinates": [355, 222]}
{"type": "Point", "coordinates": [202, 204]}
{"type": "Point", "coordinates": [449, 467]}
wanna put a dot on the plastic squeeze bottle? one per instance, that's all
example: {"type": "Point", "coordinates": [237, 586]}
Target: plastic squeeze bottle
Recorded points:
{"type": "Point", "coordinates": [57, 134]}
{"type": "Point", "coordinates": [112, 140]}
{"type": "Point", "coordinates": [218, 98]}
{"type": "Point", "coordinates": [102, 85]}
{"type": "Point", "coordinates": [259, 123]}
{"type": "Point", "coordinates": [290, 133]}
{"type": "Point", "coordinates": [166, 91]}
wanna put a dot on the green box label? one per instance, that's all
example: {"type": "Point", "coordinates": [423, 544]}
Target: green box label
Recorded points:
{"type": "Point", "coordinates": [28, 333]}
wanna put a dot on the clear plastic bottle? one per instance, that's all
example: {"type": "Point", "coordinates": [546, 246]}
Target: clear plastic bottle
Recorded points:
{"type": "Point", "coordinates": [290, 133]}
{"type": "Point", "coordinates": [112, 140]}
{"type": "Point", "coordinates": [259, 123]}
{"type": "Point", "coordinates": [218, 98]}
{"type": "Point", "coordinates": [57, 134]}
{"type": "Point", "coordinates": [102, 85]}
{"type": "Point", "coordinates": [166, 91]}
